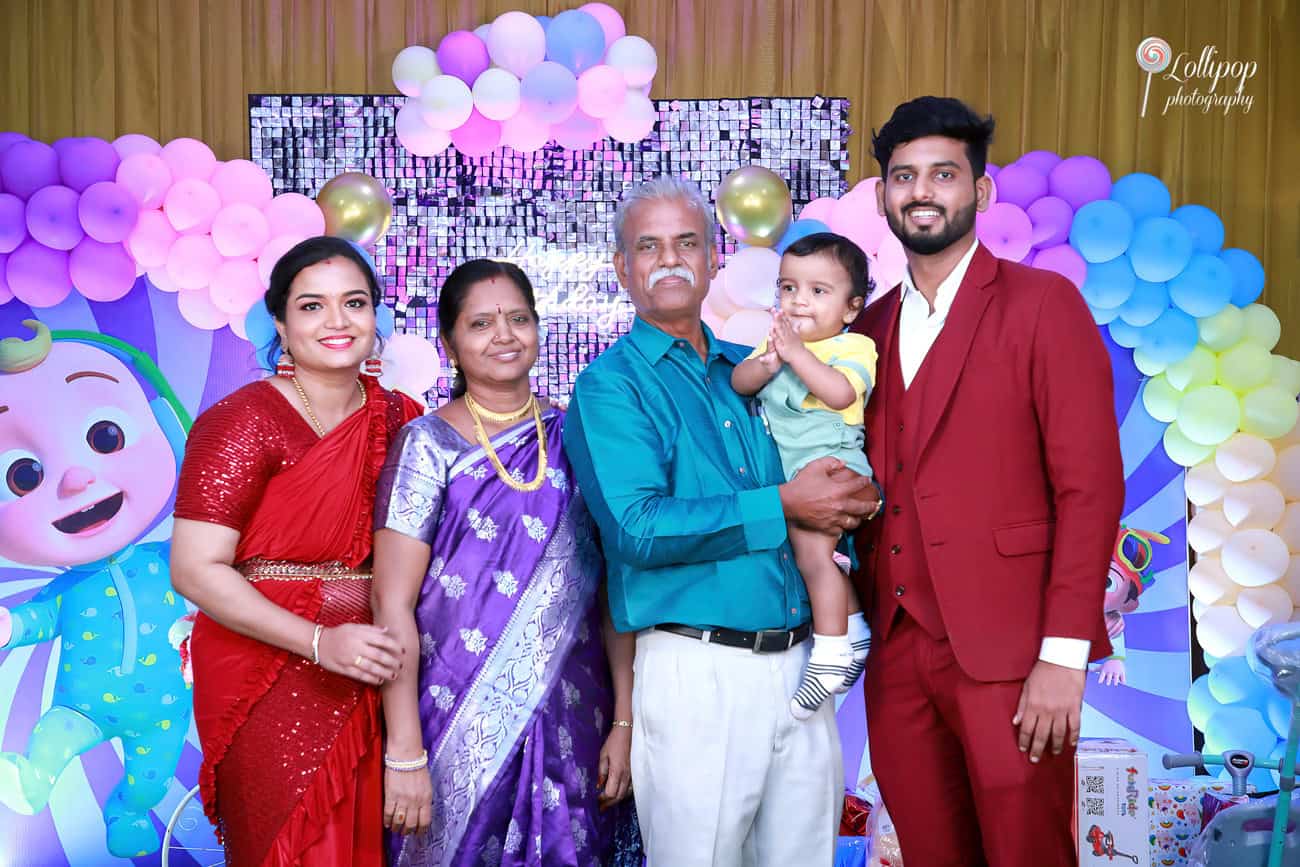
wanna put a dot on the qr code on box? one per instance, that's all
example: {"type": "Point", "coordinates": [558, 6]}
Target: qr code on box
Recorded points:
{"type": "Point", "coordinates": [1094, 807]}
{"type": "Point", "coordinates": [1094, 784]}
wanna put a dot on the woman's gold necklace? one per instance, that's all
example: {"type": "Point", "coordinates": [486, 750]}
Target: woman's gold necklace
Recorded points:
{"type": "Point", "coordinates": [475, 411]}
{"type": "Point", "coordinates": [306, 404]}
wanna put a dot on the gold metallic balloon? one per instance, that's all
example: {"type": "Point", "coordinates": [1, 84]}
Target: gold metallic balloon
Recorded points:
{"type": "Point", "coordinates": [356, 206]}
{"type": "Point", "coordinates": [753, 206]}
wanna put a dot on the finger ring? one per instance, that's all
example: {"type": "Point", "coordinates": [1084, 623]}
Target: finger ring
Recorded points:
{"type": "Point", "coordinates": [357, 662]}
{"type": "Point", "coordinates": [400, 817]}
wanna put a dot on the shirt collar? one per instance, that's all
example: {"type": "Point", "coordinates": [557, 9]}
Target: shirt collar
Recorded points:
{"type": "Point", "coordinates": [947, 290]}
{"type": "Point", "coordinates": [654, 343]}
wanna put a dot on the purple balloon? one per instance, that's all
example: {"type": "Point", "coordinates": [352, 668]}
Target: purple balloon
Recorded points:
{"type": "Point", "coordinates": [462, 54]}
{"type": "Point", "coordinates": [108, 212]}
{"type": "Point", "coordinates": [1005, 231]}
{"type": "Point", "coordinates": [5, 295]}
{"type": "Point", "coordinates": [101, 272]}
{"type": "Point", "coordinates": [52, 218]}
{"type": "Point", "coordinates": [1064, 260]}
{"type": "Point", "coordinates": [86, 161]}
{"type": "Point", "coordinates": [1020, 185]}
{"type": "Point", "coordinates": [27, 166]}
{"type": "Point", "coordinates": [1080, 180]}
{"type": "Point", "coordinates": [8, 139]}
{"type": "Point", "coordinates": [37, 275]}
{"type": "Point", "coordinates": [13, 222]}
{"type": "Point", "coordinates": [1040, 161]}
{"type": "Point", "coordinates": [992, 170]}
{"type": "Point", "coordinates": [1051, 218]}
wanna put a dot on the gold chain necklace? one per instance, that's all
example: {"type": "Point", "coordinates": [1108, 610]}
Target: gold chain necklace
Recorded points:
{"type": "Point", "coordinates": [482, 437]}
{"type": "Point", "coordinates": [306, 404]}
{"type": "Point", "coordinates": [511, 417]}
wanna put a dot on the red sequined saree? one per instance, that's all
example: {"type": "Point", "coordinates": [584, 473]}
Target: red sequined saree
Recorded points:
{"type": "Point", "coordinates": [292, 761]}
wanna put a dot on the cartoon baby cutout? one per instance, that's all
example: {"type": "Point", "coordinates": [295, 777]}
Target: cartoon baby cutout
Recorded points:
{"type": "Point", "coordinates": [1129, 575]}
{"type": "Point", "coordinates": [87, 465]}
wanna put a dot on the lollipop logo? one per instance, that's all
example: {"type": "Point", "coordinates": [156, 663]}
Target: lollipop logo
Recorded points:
{"type": "Point", "coordinates": [1153, 56]}
{"type": "Point", "coordinates": [1198, 77]}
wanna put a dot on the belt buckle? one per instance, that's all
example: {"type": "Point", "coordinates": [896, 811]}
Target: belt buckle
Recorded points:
{"type": "Point", "coordinates": [763, 633]}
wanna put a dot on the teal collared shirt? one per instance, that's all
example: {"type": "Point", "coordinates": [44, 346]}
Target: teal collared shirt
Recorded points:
{"type": "Point", "coordinates": [680, 474]}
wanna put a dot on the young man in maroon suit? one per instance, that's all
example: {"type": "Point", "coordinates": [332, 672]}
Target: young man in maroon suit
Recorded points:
{"type": "Point", "coordinates": [993, 433]}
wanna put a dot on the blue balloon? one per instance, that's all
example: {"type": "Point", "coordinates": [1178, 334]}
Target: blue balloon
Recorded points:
{"type": "Point", "coordinates": [800, 229]}
{"type": "Point", "coordinates": [384, 321]}
{"type": "Point", "coordinates": [260, 328]}
{"type": "Point", "coordinates": [1109, 284]}
{"type": "Point", "coordinates": [575, 40]}
{"type": "Point", "coordinates": [1200, 703]}
{"type": "Point", "coordinates": [1144, 195]}
{"type": "Point", "coordinates": [1211, 660]}
{"type": "Point", "coordinates": [1161, 249]}
{"type": "Point", "coordinates": [1233, 682]}
{"type": "Point", "coordinates": [1128, 336]}
{"type": "Point", "coordinates": [1146, 303]}
{"type": "Point", "coordinates": [1278, 711]}
{"type": "Point", "coordinates": [1204, 287]}
{"type": "Point", "coordinates": [1247, 275]}
{"type": "Point", "coordinates": [1101, 230]}
{"type": "Point", "coordinates": [1171, 338]}
{"type": "Point", "coordinates": [545, 21]}
{"type": "Point", "coordinates": [1104, 315]}
{"type": "Point", "coordinates": [1241, 728]}
{"type": "Point", "coordinates": [1204, 224]}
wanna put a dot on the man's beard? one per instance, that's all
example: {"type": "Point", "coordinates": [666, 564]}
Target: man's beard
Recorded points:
{"type": "Point", "coordinates": [929, 243]}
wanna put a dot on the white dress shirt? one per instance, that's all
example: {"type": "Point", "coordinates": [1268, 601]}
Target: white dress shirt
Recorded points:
{"type": "Point", "coordinates": [918, 328]}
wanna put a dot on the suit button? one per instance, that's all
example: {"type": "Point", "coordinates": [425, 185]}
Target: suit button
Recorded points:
{"type": "Point", "coordinates": [899, 466]}
{"type": "Point", "coordinates": [896, 510]}
{"type": "Point", "coordinates": [900, 590]}
{"type": "Point", "coordinates": [871, 546]}
{"type": "Point", "coordinates": [900, 427]}
{"type": "Point", "coordinates": [897, 549]}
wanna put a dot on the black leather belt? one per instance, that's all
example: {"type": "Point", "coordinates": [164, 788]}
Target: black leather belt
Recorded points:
{"type": "Point", "coordinates": [763, 641]}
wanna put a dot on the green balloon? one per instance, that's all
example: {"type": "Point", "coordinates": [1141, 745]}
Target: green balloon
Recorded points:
{"type": "Point", "coordinates": [1223, 329]}
{"type": "Point", "coordinates": [1269, 412]}
{"type": "Point", "coordinates": [1183, 451]}
{"type": "Point", "coordinates": [1145, 363]}
{"type": "Point", "coordinates": [1285, 374]}
{"type": "Point", "coordinates": [1209, 415]}
{"type": "Point", "coordinates": [1244, 367]}
{"type": "Point", "coordinates": [1161, 399]}
{"type": "Point", "coordinates": [1192, 372]}
{"type": "Point", "coordinates": [1262, 326]}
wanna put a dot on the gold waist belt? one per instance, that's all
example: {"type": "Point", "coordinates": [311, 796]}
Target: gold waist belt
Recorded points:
{"type": "Point", "coordinates": [282, 570]}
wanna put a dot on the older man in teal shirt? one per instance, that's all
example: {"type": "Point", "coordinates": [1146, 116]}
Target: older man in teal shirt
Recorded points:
{"type": "Point", "coordinates": [686, 486]}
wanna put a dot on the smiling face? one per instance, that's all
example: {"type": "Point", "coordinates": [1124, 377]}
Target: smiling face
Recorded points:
{"type": "Point", "coordinates": [816, 294]}
{"type": "Point", "coordinates": [329, 321]}
{"type": "Point", "coordinates": [494, 340]}
{"type": "Point", "coordinates": [668, 260]}
{"type": "Point", "coordinates": [85, 467]}
{"type": "Point", "coordinates": [929, 197]}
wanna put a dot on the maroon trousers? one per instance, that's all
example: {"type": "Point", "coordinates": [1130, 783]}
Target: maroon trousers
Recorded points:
{"type": "Point", "coordinates": [946, 756]}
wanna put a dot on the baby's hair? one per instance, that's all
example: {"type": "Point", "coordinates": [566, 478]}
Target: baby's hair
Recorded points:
{"type": "Point", "coordinates": [844, 251]}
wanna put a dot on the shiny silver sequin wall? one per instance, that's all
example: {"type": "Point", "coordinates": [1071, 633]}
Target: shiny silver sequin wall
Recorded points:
{"type": "Point", "coordinates": [550, 211]}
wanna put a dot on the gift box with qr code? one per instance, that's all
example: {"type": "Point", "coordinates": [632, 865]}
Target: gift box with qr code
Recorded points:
{"type": "Point", "coordinates": [1111, 814]}
{"type": "Point", "coordinates": [1179, 810]}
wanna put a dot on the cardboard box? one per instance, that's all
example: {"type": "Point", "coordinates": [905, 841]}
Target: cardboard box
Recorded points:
{"type": "Point", "coordinates": [1112, 817]}
{"type": "Point", "coordinates": [1177, 818]}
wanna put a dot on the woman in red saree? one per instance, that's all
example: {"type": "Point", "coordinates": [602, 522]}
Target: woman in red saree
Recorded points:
{"type": "Point", "coordinates": [272, 542]}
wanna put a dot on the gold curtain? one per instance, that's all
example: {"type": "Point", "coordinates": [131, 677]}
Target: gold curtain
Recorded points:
{"type": "Point", "coordinates": [1057, 74]}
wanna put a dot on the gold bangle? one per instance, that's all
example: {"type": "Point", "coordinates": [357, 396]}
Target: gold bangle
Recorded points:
{"type": "Point", "coordinates": [622, 724]}
{"type": "Point", "coordinates": [315, 643]}
{"type": "Point", "coordinates": [407, 764]}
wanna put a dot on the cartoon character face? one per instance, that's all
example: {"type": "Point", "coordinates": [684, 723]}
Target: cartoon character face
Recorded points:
{"type": "Point", "coordinates": [84, 466]}
{"type": "Point", "coordinates": [1122, 589]}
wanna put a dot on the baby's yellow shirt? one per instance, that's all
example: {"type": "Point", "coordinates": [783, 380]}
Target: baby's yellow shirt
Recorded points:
{"type": "Point", "coordinates": [853, 355]}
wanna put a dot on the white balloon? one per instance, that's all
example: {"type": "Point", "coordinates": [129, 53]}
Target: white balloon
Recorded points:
{"type": "Point", "coordinates": [1198, 608]}
{"type": "Point", "coordinates": [1260, 606]}
{"type": "Point", "coordinates": [411, 365]}
{"type": "Point", "coordinates": [1253, 558]}
{"type": "Point", "coordinates": [717, 297]}
{"type": "Point", "coordinates": [496, 93]}
{"type": "Point", "coordinates": [1208, 530]}
{"type": "Point", "coordinates": [635, 121]}
{"type": "Point", "coordinates": [1256, 505]}
{"type": "Point", "coordinates": [412, 67]}
{"type": "Point", "coordinates": [1289, 438]}
{"type": "Point", "coordinates": [447, 102]}
{"type": "Point", "coordinates": [1209, 584]}
{"type": "Point", "coordinates": [1204, 483]}
{"type": "Point", "coordinates": [1289, 527]}
{"type": "Point", "coordinates": [482, 31]}
{"type": "Point", "coordinates": [417, 136]}
{"type": "Point", "coordinates": [747, 327]}
{"type": "Point", "coordinates": [517, 42]}
{"type": "Point", "coordinates": [1286, 474]}
{"type": "Point", "coordinates": [752, 273]}
{"type": "Point", "coordinates": [635, 58]}
{"type": "Point", "coordinates": [1244, 457]}
{"type": "Point", "coordinates": [711, 319]}
{"type": "Point", "coordinates": [1222, 632]}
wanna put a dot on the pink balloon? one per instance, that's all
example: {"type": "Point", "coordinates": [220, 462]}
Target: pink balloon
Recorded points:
{"type": "Point", "coordinates": [239, 326]}
{"type": "Point", "coordinates": [890, 263]}
{"type": "Point", "coordinates": [242, 181]}
{"type": "Point", "coordinates": [417, 136]}
{"type": "Point", "coordinates": [462, 54]}
{"type": "Point", "coordinates": [192, 261]}
{"type": "Point", "coordinates": [1064, 260]}
{"type": "Point", "coordinates": [27, 166]}
{"type": "Point", "coordinates": [240, 230]}
{"type": "Point", "coordinates": [13, 222]}
{"type": "Point", "coordinates": [147, 177]}
{"type": "Point", "coordinates": [5, 295]}
{"type": "Point", "coordinates": [236, 285]}
{"type": "Point", "coordinates": [161, 279]}
{"type": "Point", "coordinates": [86, 161]}
{"type": "Point", "coordinates": [108, 212]}
{"type": "Point", "coordinates": [634, 121]}
{"type": "Point", "coordinates": [601, 91]}
{"type": "Point", "coordinates": [52, 218]}
{"type": "Point", "coordinates": [578, 132]}
{"type": "Point", "coordinates": [189, 158]}
{"type": "Point", "coordinates": [1006, 230]}
{"type": "Point", "coordinates": [271, 253]}
{"type": "Point", "coordinates": [818, 209]}
{"type": "Point", "coordinates": [854, 216]}
{"type": "Point", "coordinates": [37, 275]}
{"type": "Point", "coordinates": [151, 240]}
{"type": "Point", "coordinates": [191, 205]}
{"type": "Point", "coordinates": [294, 214]}
{"type": "Point", "coordinates": [101, 272]}
{"type": "Point", "coordinates": [133, 143]}
{"type": "Point", "coordinates": [747, 327]}
{"type": "Point", "coordinates": [477, 136]}
{"type": "Point", "coordinates": [525, 133]}
{"type": "Point", "coordinates": [199, 311]}
{"type": "Point", "coordinates": [609, 19]}
{"type": "Point", "coordinates": [1051, 218]}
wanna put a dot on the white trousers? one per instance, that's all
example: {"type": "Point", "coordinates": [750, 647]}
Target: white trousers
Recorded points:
{"type": "Point", "coordinates": [723, 775]}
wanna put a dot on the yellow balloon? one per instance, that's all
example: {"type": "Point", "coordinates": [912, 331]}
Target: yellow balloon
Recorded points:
{"type": "Point", "coordinates": [356, 207]}
{"type": "Point", "coordinates": [753, 205]}
{"type": "Point", "coordinates": [1192, 372]}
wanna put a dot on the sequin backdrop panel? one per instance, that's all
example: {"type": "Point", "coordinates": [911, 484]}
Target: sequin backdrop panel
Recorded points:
{"type": "Point", "coordinates": [550, 211]}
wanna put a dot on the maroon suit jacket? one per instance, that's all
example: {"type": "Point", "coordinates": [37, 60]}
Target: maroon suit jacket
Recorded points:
{"type": "Point", "coordinates": [1018, 481]}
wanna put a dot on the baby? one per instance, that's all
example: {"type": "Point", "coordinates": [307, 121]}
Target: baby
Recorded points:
{"type": "Point", "coordinates": [813, 380]}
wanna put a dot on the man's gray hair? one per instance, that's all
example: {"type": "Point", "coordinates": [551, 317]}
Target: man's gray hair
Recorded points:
{"type": "Point", "coordinates": [665, 187]}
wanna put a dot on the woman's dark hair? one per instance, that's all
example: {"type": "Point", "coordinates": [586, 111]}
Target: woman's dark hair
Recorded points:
{"type": "Point", "coordinates": [935, 115]}
{"type": "Point", "coordinates": [451, 300]}
{"type": "Point", "coordinates": [844, 251]}
{"type": "Point", "coordinates": [303, 255]}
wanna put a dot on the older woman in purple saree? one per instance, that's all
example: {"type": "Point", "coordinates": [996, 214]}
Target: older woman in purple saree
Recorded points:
{"type": "Point", "coordinates": [509, 743]}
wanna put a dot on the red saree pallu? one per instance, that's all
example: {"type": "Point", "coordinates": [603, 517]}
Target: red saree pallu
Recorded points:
{"type": "Point", "coordinates": [292, 758]}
